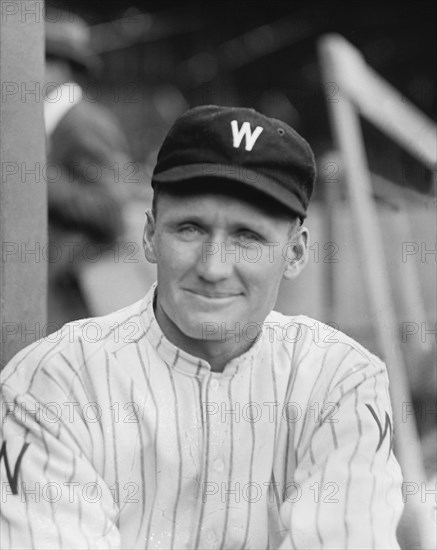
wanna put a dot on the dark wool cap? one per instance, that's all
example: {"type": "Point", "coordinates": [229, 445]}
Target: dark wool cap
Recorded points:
{"type": "Point", "coordinates": [242, 145]}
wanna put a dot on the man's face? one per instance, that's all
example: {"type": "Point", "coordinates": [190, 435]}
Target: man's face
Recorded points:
{"type": "Point", "coordinates": [220, 261]}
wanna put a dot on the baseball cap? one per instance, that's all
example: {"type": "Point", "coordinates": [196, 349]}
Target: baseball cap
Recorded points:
{"type": "Point", "coordinates": [240, 145]}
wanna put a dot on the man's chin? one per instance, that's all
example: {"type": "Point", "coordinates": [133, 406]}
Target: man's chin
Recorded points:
{"type": "Point", "coordinates": [212, 327]}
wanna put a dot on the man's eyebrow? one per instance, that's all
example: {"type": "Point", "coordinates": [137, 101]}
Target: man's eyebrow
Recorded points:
{"type": "Point", "coordinates": [186, 217]}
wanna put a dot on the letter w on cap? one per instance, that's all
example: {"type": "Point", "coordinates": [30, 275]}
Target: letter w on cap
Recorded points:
{"type": "Point", "coordinates": [246, 132]}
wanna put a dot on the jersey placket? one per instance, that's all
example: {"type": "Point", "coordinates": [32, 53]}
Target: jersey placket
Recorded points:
{"type": "Point", "coordinates": [216, 446]}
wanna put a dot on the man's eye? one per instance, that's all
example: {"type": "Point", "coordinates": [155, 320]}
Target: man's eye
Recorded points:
{"type": "Point", "coordinates": [189, 230]}
{"type": "Point", "coordinates": [247, 237]}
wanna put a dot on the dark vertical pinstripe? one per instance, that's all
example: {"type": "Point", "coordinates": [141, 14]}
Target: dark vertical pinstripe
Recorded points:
{"type": "Point", "coordinates": [275, 490]}
{"type": "Point", "coordinates": [29, 522]}
{"type": "Point", "coordinates": [322, 481]}
{"type": "Point", "coordinates": [71, 478]}
{"type": "Point", "coordinates": [52, 509]}
{"type": "Point", "coordinates": [124, 321]}
{"type": "Point", "coordinates": [40, 362]}
{"type": "Point", "coordinates": [311, 452]}
{"type": "Point", "coordinates": [275, 388]}
{"type": "Point", "coordinates": [199, 366]}
{"type": "Point", "coordinates": [278, 520]}
{"type": "Point", "coordinates": [73, 436]}
{"type": "Point", "coordinates": [252, 454]}
{"type": "Point", "coordinates": [92, 389]}
{"type": "Point", "coordinates": [143, 481]}
{"type": "Point", "coordinates": [114, 440]}
{"type": "Point", "coordinates": [316, 380]}
{"type": "Point", "coordinates": [290, 384]}
{"type": "Point", "coordinates": [32, 347]}
{"type": "Point", "coordinates": [80, 514]}
{"type": "Point", "coordinates": [53, 379]}
{"type": "Point", "coordinates": [85, 390]}
{"type": "Point", "coordinates": [109, 333]}
{"type": "Point", "coordinates": [329, 385]}
{"type": "Point", "coordinates": [149, 326]}
{"type": "Point", "coordinates": [179, 446]}
{"type": "Point", "coordinates": [293, 542]}
{"type": "Point", "coordinates": [202, 444]}
{"type": "Point", "coordinates": [129, 343]}
{"type": "Point", "coordinates": [322, 420]}
{"type": "Point", "coordinates": [106, 521]}
{"type": "Point", "coordinates": [385, 376]}
{"type": "Point", "coordinates": [332, 424]}
{"type": "Point", "coordinates": [155, 439]}
{"type": "Point", "coordinates": [231, 456]}
{"type": "Point", "coordinates": [205, 424]}
{"type": "Point", "coordinates": [334, 435]}
{"type": "Point", "coordinates": [349, 465]}
{"type": "Point", "coordinates": [44, 469]}
{"type": "Point", "coordinates": [372, 495]}
{"type": "Point", "coordinates": [75, 375]}
{"type": "Point", "coordinates": [64, 425]}
{"type": "Point", "coordinates": [160, 342]}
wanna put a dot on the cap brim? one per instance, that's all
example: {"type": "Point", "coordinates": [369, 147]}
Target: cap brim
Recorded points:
{"type": "Point", "coordinates": [248, 178]}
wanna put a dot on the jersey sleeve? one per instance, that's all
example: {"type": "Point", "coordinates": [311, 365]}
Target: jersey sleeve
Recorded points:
{"type": "Point", "coordinates": [52, 495]}
{"type": "Point", "coordinates": [346, 491]}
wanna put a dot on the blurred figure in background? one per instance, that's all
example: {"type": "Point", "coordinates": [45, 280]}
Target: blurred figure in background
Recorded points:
{"type": "Point", "coordinates": [86, 155]}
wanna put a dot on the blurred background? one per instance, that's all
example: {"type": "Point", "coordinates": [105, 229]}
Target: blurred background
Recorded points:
{"type": "Point", "coordinates": [160, 57]}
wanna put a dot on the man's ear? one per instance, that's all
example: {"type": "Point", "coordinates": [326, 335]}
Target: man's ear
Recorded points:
{"type": "Point", "coordinates": [297, 253]}
{"type": "Point", "coordinates": [148, 237]}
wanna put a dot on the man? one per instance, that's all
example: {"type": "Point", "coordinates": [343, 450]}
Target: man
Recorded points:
{"type": "Point", "coordinates": [197, 417]}
{"type": "Point", "coordinates": [87, 165]}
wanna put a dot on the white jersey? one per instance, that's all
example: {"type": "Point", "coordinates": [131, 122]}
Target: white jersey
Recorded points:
{"type": "Point", "coordinates": [115, 438]}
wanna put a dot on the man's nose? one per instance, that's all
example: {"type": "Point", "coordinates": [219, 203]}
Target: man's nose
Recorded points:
{"type": "Point", "coordinates": [213, 265]}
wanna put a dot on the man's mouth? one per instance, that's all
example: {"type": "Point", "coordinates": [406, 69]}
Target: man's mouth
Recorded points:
{"type": "Point", "coordinates": [213, 295]}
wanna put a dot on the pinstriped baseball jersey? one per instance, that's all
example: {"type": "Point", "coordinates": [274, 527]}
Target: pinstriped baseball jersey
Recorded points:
{"type": "Point", "coordinates": [115, 438]}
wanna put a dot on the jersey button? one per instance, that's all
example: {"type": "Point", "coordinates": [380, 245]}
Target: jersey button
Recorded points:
{"type": "Point", "coordinates": [219, 466]}
{"type": "Point", "coordinates": [215, 384]}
